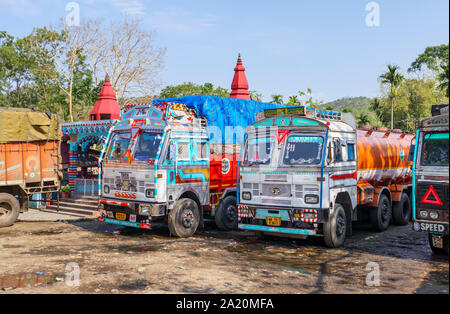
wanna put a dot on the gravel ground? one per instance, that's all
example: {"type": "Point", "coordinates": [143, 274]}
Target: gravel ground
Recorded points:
{"type": "Point", "coordinates": [37, 215]}
{"type": "Point", "coordinates": [36, 257]}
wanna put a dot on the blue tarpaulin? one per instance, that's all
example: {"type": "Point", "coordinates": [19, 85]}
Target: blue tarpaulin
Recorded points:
{"type": "Point", "coordinates": [227, 117]}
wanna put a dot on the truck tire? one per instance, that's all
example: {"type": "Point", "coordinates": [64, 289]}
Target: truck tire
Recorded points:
{"type": "Point", "coordinates": [184, 218]}
{"type": "Point", "coordinates": [9, 209]}
{"type": "Point", "coordinates": [436, 250]}
{"type": "Point", "coordinates": [227, 215]}
{"type": "Point", "coordinates": [401, 211]}
{"type": "Point", "coordinates": [380, 217]}
{"type": "Point", "coordinates": [335, 229]}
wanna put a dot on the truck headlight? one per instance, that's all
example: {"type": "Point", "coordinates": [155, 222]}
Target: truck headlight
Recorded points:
{"type": "Point", "coordinates": [106, 189]}
{"type": "Point", "coordinates": [423, 214]}
{"type": "Point", "coordinates": [246, 196]}
{"type": "Point", "coordinates": [434, 215]}
{"type": "Point", "coordinates": [150, 193]}
{"type": "Point", "coordinates": [311, 199]}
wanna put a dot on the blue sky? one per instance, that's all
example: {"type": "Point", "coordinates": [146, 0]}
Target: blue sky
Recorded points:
{"type": "Point", "coordinates": [286, 45]}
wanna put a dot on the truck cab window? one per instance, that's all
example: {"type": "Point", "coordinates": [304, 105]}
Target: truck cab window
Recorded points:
{"type": "Point", "coordinates": [183, 151]}
{"type": "Point", "coordinates": [435, 149]}
{"type": "Point", "coordinates": [337, 150]}
{"type": "Point", "coordinates": [350, 152]}
{"type": "Point", "coordinates": [202, 151]}
{"type": "Point", "coordinates": [147, 146]}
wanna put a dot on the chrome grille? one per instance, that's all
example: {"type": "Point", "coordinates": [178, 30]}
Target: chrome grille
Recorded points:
{"type": "Point", "coordinates": [276, 190]}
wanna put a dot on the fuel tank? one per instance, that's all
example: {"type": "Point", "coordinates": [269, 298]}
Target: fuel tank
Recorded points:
{"type": "Point", "coordinates": [383, 154]}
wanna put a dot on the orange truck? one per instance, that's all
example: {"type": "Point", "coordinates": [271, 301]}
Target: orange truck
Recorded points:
{"type": "Point", "coordinates": [29, 159]}
{"type": "Point", "coordinates": [307, 172]}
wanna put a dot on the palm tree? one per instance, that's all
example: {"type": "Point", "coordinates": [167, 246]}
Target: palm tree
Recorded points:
{"type": "Point", "coordinates": [293, 100]}
{"type": "Point", "coordinates": [363, 119]}
{"type": "Point", "coordinates": [443, 78]}
{"type": "Point", "coordinates": [277, 99]}
{"type": "Point", "coordinates": [392, 78]}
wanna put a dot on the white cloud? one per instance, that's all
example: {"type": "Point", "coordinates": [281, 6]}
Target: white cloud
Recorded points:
{"type": "Point", "coordinates": [133, 7]}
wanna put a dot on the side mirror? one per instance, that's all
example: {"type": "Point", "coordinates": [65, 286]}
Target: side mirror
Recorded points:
{"type": "Point", "coordinates": [411, 153]}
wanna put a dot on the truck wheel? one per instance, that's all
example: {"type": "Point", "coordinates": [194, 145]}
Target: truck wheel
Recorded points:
{"type": "Point", "coordinates": [380, 217]}
{"type": "Point", "coordinates": [9, 209]}
{"type": "Point", "coordinates": [227, 215]}
{"type": "Point", "coordinates": [184, 218]}
{"type": "Point", "coordinates": [401, 211]}
{"type": "Point", "coordinates": [436, 250]}
{"type": "Point", "coordinates": [335, 229]}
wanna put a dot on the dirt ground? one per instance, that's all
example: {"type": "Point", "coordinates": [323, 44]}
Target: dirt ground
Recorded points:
{"type": "Point", "coordinates": [34, 257]}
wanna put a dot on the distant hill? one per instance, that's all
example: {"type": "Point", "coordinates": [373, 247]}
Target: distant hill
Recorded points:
{"type": "Point", "coordinates": [357, 105]}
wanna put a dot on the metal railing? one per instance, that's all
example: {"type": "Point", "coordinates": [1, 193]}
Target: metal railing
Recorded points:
{"type": "Point", "coordinates": [86, 187]}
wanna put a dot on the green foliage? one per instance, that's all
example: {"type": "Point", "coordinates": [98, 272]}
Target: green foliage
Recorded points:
{"type": "Point", "coordinates": [436, 60]}
{"type": "Point", "coordinates": [277, 99]}
{"type": "Point", "coordinates": [413, 103]}
{"type": "Point", "coordinates": [191, 89]}
{"type": "Point", "coordinates": [363, 119]}
{"type": "Point", "coordinates": [65, 188]}
{"type": "Point", "coordinates": [29, 77]}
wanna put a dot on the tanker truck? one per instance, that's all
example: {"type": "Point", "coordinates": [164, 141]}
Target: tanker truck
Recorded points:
{"type": "Point", "coordinates": [29, 159]}
{"type": "Point", "coordinates": [175, 161]}
{"type": "Point", "coordinates": [430, 177]}
{"type": "Point", "coordinates": [309, 172]}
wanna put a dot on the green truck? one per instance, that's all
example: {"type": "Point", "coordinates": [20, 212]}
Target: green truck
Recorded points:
{"type": "Point", "coordinates": [430, 178]}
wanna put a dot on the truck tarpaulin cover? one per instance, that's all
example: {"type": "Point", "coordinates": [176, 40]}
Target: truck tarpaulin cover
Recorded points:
{"type": "Point", "coordinates": [224, 114]}
{"type": "Point", "coordinates": [25, 125]}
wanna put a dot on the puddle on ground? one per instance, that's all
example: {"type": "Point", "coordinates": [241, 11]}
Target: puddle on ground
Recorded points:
{"type": "Point", "coordinates": [21, 280]}
{"type": "Point", "coordinates": [304, 260]}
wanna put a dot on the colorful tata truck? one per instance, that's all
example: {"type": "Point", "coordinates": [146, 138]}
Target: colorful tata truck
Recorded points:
{"type": "Point", "coordinates": [175, 161]}
{"type": "Point", "coordinates": [430, 175]}
{"type": "Point", "coordinates": [309, 172]}
{"type": "Point", "coordinates": [29, 159]}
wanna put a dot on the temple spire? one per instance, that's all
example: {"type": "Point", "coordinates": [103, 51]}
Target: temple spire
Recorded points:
{"type": "Point", "coordinates": [239, 87]}
{"type": "Point", "coordinates": [106, 107]}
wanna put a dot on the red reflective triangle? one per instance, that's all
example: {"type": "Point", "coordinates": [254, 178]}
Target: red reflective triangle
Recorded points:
{"type": "Point", "coordinates": [436, 201]}
{"type": "Point", "coordinates": [281, 135]}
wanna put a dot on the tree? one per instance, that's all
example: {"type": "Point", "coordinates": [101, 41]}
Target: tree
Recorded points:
{"type": "Point", "coordinates": [277, 99]}
{"type": "Point", "coordinates": [363, 119]}
{"type": "Point", "coordinates": [413, 103]}
{"type": "Point", "coordinates": [60, 54]}
{"type": "Point", "coordinates": [392, 78]}
{"type": "Point", "coordinates": [294, 101]}
{"type": "Point", "coordinates": [191, 89]}
{"type": "Point", "coordinates": [436, 60]}
{"type": "Point", "coordinates": [128, 54]}
{"type": "Point", "coordinates": [443, 78]}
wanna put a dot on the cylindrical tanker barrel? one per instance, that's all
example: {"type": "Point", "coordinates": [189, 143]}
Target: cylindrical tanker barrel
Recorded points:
{"type": "Point", "coordinates": [383, 155]}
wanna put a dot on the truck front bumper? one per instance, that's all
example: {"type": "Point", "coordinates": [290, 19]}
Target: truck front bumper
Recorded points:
{"type": "Point", "coordinates": [281, 230]}
{"type": "Point", "coordinates": [138, 225]}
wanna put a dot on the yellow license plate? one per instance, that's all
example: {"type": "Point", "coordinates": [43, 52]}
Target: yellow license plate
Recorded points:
{"type": "Point", "coordinates": [273, 221]}
{"type": "Point", "coordinates": [121, 216]}
{"type": "Point", "coordinates": [437, 242]}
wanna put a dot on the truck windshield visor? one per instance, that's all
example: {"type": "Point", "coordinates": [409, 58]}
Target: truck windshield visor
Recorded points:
{"type": "Point", "coordinates": [303, 150]}
{"type": "Point", "coordinates": [435, 150]}
{"type": "Point", "coordinates": [258, 151]}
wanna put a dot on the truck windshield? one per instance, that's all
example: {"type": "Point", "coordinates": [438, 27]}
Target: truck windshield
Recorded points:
{"type": "Point", "coordinates": [118, 147]}
{"type": "Point", "coordinates": [258, 151]}
{"type": "Point", "coordinates": [147, 146]}
{"type": "Point", "coordinates": [435, 149]}
{"type": "Point", "coordinates": [303, 150]}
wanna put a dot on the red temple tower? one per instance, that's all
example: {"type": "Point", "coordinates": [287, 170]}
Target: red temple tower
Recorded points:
{"type": "Point", "coordinates": [106, 107]}
{"type": "Point", "coordinates": [239, 87]}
